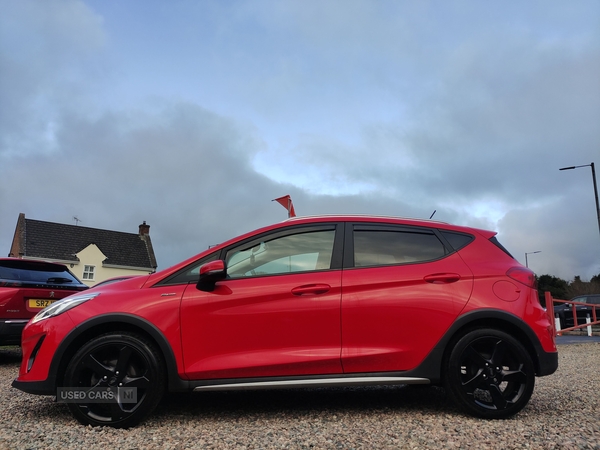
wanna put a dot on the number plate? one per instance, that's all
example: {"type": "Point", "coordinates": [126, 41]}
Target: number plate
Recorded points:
{"type": "Point", "coordinates": [39, 304]}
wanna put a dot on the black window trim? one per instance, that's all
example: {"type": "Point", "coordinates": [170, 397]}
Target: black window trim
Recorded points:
{"type": "Point", "coordinates": [169, 280]}
{"type": "Point", "coordinates": [494, 240]}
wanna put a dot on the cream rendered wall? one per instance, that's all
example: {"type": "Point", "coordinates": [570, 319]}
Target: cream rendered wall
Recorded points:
{"type": "Point", "coordinates": [92, 256]}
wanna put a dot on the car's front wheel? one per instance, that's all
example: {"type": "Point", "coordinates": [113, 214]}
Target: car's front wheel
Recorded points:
{"type": "Point", "coordinates": [489, 374]}
{"type": "Point", "coordinates": [115, 379]}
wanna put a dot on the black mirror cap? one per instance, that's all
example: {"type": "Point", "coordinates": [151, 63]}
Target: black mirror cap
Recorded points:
{"type": "Point", "coordinates": [210, 273]}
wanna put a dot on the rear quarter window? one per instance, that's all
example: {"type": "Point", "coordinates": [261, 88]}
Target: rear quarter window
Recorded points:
{"type": "Point", "coordinates": [457, 240]}
{"type": "Point", "coordinates": [497, 243]}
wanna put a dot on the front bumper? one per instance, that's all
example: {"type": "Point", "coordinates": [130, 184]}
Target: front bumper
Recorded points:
{"type": "Point", "coordinates": [46, 387]}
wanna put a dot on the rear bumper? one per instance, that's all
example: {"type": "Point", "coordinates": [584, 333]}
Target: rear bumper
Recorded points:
{"type": "Point", "coordinates": [548, 363]}
{"type": "Point", "coordinates": [11, 330]}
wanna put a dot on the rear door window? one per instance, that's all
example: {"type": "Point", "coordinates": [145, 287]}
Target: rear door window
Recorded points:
{"type": "Point", "coordinates": [379, 246]}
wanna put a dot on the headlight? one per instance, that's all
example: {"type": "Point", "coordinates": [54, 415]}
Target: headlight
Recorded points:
{"type": "Point", "coordinates": [63, 305]}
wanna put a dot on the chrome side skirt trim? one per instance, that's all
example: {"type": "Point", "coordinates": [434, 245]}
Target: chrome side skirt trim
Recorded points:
{"type": "Point", "coordinates": [321, 382]}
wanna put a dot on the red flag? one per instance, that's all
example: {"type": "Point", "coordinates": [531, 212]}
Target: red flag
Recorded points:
{"type": "Point", "coordinates": [286, 202]}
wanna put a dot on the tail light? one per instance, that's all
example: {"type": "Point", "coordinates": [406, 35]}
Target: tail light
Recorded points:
{"type": "Point", "coordinates": [523, 275]}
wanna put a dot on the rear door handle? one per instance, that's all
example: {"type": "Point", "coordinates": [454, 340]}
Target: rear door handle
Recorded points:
{"type": "Point", "coordinates": [311, 289]}
{"type": "Point", "coordinates": [442, 278]}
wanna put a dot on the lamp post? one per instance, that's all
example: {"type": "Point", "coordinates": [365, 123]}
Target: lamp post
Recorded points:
{"type": "Point", "coordinates": [595, 187]}
{"type": "Point", "coordinates": [530, 253]}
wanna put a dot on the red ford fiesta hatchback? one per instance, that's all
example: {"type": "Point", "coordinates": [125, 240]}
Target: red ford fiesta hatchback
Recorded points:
{"type": "Point", "coordinates": [318, 301]}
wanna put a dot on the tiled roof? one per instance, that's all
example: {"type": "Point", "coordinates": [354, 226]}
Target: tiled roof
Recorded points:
{"type": "Point", "coordinates": [61, 242]}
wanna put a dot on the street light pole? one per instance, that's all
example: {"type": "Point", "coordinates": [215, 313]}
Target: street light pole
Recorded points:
{"type": "Point", "coordinates": [595, 187]}
{"type": "Point", "coordinates": [530, 253]}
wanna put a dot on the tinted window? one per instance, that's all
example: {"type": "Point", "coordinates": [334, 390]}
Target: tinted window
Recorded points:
{"type": "Point", "coordinates": [593, 299]}
{"type": "Point", "coordinates": [457, 240]}
{"type": "Point", "coordinates": [379, 247]}
{"type": "Point", "coordinates": [38, 273]}
{"type": "Point", "coordinates": [292, 253]}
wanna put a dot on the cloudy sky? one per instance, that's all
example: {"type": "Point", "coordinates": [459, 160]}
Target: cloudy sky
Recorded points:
{"type": "Point", "coordinates": [194, 115]}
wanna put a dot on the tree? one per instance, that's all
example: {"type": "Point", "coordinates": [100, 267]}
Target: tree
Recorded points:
{"type": "Point", "coordinates": [557, 287]}
{"type": "Point", "coordinates": [578, 287]}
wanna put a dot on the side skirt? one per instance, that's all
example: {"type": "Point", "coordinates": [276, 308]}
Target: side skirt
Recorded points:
{"type": "Point", "coordinates": [313, 382]}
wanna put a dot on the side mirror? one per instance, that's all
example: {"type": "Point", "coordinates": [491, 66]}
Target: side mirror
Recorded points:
{"type": "Point", "coordinates": [210, 273]}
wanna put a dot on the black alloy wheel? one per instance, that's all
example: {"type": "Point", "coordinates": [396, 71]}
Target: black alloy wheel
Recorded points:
{"type": "Point", "coordinates": [489, 374]}
{"type": "Point", "coordinates": [115, 363]}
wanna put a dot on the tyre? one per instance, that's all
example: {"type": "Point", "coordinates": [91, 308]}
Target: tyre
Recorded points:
{"type": "Point", "coordinates": [489, 374]}
{"type": "Point", "coordinates": [105, 364]}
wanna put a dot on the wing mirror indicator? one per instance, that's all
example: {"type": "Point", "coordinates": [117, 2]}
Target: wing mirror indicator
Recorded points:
{"type": "Point", "coordinates": [210, 273]}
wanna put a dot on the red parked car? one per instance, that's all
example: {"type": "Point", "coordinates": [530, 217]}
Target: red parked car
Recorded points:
{"type": "Point", "coordinates": [27, 287]}
{"type": "Point", "coordinates": [317, 301]}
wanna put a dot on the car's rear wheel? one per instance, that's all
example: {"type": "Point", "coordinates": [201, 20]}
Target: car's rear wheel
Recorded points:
{"type": "Point", "coordinates": [489, 374]}
{"type": "Point", "coordinates": [116, 379]}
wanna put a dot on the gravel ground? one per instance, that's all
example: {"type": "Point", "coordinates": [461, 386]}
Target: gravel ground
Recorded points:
{"type": "Point", "coordinates": [564, 413]}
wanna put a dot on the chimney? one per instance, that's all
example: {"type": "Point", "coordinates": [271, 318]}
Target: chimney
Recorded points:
{"type": "Point", "coordinates": [144, 229]}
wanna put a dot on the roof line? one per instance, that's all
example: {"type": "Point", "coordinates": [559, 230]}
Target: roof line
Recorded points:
{"type": "Point", "coordinates": [367, 216]}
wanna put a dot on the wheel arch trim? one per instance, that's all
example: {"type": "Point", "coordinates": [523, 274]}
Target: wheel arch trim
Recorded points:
{"type": "Point", "coordinates": [545, 363]}
{"type": "Point", "coordinates": [132, 322]}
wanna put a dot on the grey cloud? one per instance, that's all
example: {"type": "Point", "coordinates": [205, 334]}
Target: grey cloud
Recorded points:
{"type": "Point", "coordinates": [565, 232]}
{"type": "Point", "coordinates": [39, 42]}
{"type": "Point", "coordinates": [184, 170]}
{"type": "Point", "coordinates": [507, 140]}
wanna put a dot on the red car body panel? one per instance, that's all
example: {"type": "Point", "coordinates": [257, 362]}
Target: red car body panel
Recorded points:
{"type": "Point", "coordinates": [245, 328]}
{"type": "Point", "coordinates": [53, 333]}
{"type": "Point", "coordinates": [387, 310]}
{"type": "Point", "coordinates": [491, 287]}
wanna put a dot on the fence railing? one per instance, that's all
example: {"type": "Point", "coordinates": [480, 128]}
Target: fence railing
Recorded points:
{"type": "Point", "coordinates": [592, 315]}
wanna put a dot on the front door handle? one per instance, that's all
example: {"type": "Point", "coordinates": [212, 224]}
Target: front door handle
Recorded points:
{"type": "Point", "coordinates": [442, 278]}
{"type": "Point", "coordinates": [311, 289]}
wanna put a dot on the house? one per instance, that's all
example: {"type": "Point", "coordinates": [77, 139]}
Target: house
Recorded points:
{"type": "Point", "coordinates": [93, 255]}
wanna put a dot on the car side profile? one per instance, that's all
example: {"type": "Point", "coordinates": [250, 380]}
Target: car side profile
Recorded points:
{"type": "Point", "coordinates": [309, 302]}
{"type": "Point", "coordinates": [27, 287]}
